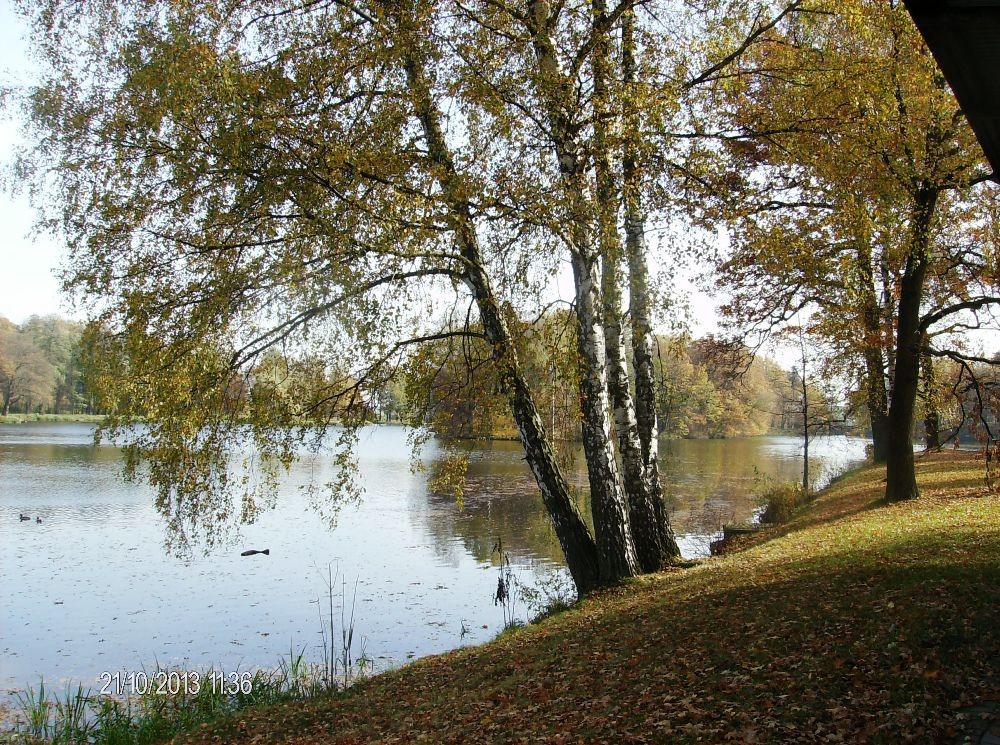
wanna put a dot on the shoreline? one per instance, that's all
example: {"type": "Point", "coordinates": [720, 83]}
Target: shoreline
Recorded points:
{"type": "Point", "coordinates": [843, 603]}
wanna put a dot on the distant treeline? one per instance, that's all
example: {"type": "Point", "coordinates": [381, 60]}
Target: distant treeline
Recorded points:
{"type": "Point", "coordinates": [40, 367]}
{"type": "Point", "coordinates": [698, 394]}
{"type": "Point", "coordinates": [449, 388]}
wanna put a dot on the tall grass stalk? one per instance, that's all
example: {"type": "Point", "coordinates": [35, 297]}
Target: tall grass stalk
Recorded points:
{"type": "Point", "coordinates": [508, 590]}
{"type": "Point", "coordinates": [36, 710]}
{"type": "Point", "coordinates": [71, 720]}
{"type": "Point", "coordinates": [347, 632]}
{"type": "Point", "coordinates": [82, 715]}
{"type": "Point", "coordinates": [339, 665]}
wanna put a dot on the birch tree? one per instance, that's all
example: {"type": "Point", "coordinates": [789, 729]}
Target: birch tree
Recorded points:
{"type": "Point", "coordinates": [345, 182]}
{"type": "Point", "coordinates": [234, 180]}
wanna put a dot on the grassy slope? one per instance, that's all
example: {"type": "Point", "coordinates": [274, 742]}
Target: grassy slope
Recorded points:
{"type": "Point", "coordinates": [857, 621]}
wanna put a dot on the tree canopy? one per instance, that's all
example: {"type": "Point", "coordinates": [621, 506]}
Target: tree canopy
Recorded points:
{"type": "Point", "coordinates": [860, 203]}
{"type": "Point", "coordinates": [273, 209]}
{"type": "Point", "coordinates": [344, 182]}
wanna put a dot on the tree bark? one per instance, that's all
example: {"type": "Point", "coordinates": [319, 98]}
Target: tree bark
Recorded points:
{"type": "Point", "coordinates": [805, 417]}
{"type": "Point", "coordinates": [932, 419]}
{"type": "Point", "coordinates": [642, 515]}
{"type": "Point", "coordinates": [577, 544]}
{"type": "Point", "coordinates": [9, 399]}
{"type": "Point", "coordinates": [901, 480]}
{"type": "Point", "coordinates": [871, 321]}
{"type": "Point", "coordinates": [615, 546]}
{"type": "Point", "coordinates": [889, 318]}
{"type": "Point", "coordinates": [611, 518]}
{"type": "Point", "coordinates": [878, 404]}
{"type": "Point", "coordinates": [643, 341]}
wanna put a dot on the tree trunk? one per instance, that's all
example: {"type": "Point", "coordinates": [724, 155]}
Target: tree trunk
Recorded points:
{"type": "Point", "coordinates": [871, 321]}
{"type": "Point", "coordinates": [577, 544]}
{"type": "Point", "coordinates": [9, 399]}
{"type": "Point", "coordinates": [642, 515]}
{"type": "Point", "coordinates": [615, 546]}
{"type": "Point", "coordinates": [611, 519]}
{"type": "Point", "coordinates": [805, 417]}
{"type": "Point", "coordinates": [877, 403]}
{"type": "Point", "coordinates": [889, 317]}
{"type": "Point", "coordinates": [901, 480]}
{"type": "Point", "coordinates": [643, 341]}
{"type": "Point", "coordinates": [932, 419]}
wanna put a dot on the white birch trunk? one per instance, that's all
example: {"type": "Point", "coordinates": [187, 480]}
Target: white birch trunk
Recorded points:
{"type": "Point", "coordinates": [577, 544]}
{"type": "Point", "coordinates": [643, 517]}
{"type": "Point", "coordinates": [642, 328]}
{"type": "Point", "coordinates": [611, 517]}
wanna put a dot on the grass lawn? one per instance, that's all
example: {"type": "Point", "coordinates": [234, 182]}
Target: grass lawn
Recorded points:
{"type": "Point", "coordinates": [856, 621]}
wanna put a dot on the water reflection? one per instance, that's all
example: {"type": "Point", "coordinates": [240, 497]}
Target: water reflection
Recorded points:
{"type": "Point", "coordinates": [91, 588]}
{"type": "Point", "coordinates": [706, 482]}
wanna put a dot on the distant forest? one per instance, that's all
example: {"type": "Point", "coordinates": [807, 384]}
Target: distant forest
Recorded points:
{"type": "Point", "coordinates": [42, 372]}
{"type": "Point", "coordinates": [698, 395]}
{"type": "Point", "coordinates": [41, 369]}
{"type": "Point", "coordinates": [700, 392]}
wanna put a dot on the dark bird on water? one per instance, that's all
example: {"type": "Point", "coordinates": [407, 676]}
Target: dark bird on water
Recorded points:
{"type": "Point", "coordinates": [253, 551]}
{"type": "Point", "coordinates": [23, 517]}
{"type": "Point", "coordinates": [38, 519]}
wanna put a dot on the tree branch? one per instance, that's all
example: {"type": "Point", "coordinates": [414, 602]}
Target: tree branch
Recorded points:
{"type": "Point", "coordinates": [932, 318]}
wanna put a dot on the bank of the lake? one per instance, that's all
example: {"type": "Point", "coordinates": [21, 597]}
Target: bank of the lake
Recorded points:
{"type": "Point", "coordinates": [857, 621]}
{"type": "Point", "coordinates": [52, 418]}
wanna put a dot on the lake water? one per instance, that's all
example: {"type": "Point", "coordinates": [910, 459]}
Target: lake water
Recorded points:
{"type": "Point", "coordinates": [92, 589]}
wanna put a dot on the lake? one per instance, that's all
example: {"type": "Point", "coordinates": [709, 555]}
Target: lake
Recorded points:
{"type": "Point", "coordinates": [91, 588]}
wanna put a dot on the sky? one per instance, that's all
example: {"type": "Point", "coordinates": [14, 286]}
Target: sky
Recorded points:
{"type": "Point", "coordinates": [27, 265]}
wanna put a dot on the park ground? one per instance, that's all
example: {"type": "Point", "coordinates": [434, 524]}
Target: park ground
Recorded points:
{"type": "Point", "coordinates": [857, 621]}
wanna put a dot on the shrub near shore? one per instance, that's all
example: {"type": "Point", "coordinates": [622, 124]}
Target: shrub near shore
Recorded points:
{"type": "Point", "coordinates": [25, 418]}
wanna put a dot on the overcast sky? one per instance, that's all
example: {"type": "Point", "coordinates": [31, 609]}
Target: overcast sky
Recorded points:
{"type": "Point", "coordinates": [27, 265]}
